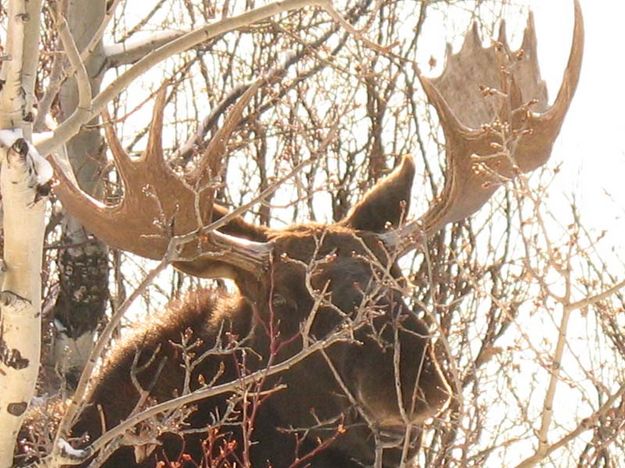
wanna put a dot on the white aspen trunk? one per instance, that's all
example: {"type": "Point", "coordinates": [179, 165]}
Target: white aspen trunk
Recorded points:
{"type": "Point", "coordinates": [22, 173]}
{"type": "Point", "coordinates": [20, 298]}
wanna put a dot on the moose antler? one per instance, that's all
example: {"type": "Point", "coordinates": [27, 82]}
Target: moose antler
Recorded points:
{"type": "Point", "coordinates": [488, 144]}
{"type": "Point", "coordinates": [158, 205]}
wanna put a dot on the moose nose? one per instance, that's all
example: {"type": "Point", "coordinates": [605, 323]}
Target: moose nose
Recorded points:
{"type": "Point", "coordinates": [398, 392]}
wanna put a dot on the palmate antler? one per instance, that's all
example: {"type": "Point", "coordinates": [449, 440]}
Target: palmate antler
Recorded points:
{"type": "Point", "coordinates": [158, 205]}
{"type": "Point", "coordinates": [487, 144]}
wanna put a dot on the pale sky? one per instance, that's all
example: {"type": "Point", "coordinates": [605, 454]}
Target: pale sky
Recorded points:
{"type": "Point", "coordinates": [591, 144]}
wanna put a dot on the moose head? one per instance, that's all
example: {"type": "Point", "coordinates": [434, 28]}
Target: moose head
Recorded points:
{"type": "Point", "coordinates": [317, 358]}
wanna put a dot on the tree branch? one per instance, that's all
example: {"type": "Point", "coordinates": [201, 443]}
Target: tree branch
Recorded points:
{"type": "Point", "coordinates": [71, 126]}
{"type": "Point", "coordinates": [583, 426]}
{"type": "Point", "coordinates": [128, 52]}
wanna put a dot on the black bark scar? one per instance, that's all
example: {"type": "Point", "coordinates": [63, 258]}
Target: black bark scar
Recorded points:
{"type": "Point", "coordinates": [17, 409]}
{"type": "Point", "coordinates": [11, 357]}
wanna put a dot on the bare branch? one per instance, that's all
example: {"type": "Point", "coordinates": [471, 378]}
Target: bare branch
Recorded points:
{"type": "Point", "coordinates": [73, 123]}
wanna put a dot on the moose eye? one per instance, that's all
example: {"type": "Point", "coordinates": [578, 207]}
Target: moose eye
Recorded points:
{"type": "Point", "coordinates": [278, 300]}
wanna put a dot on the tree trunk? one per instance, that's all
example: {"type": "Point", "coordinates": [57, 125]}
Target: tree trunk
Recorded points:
{"type": "Point", "coordinates": [23, 173]}
{"type": "Point", "coordinates": [20, 333]}
{"type": "Point", "coordinates": [83, 264]}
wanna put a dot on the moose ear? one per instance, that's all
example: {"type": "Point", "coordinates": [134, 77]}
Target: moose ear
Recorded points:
{"type": "Point", "coordinates": [386, 203]}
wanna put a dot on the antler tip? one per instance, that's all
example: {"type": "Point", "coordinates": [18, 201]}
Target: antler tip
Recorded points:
{"type": "Point", "coordinates": [502, 32]}
{"type": "Point", "coordinates": [154, 150]}
{"type": "Point", "coordinates": [473, 40]}
{"type": "Point", "coordinates": [529, 35]}
{"type": "Point", "coordinates": [579, 17]}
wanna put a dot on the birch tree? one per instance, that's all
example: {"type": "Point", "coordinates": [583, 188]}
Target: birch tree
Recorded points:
{"type": "Point", "coordinates": [24, 174]}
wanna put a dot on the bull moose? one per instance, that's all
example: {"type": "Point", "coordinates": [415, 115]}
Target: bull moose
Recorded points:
{"type": "Point", "coordinates": [316, 360]}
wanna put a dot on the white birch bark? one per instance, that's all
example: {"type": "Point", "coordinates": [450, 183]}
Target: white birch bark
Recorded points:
{"type": "Point", "coordinates": [20, 298]}
{"type": "Point", "coordinates": [23, 172]}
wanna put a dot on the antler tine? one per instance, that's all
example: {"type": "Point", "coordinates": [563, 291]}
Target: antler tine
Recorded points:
{"type": "Point", "coordinates": [489, 143]}
{"type": "Point", "coordinates": [472, 40]}
{"type": "Point", "coordinates": [80, 204]}
{"type": "Point", "coordinates": [210, 163]}
{"type": "Point", "coordinates": [502, 32]}
{"type": "Point", "coordinates": [154, 150]}
{"type": "Point", "coordinates": [122, 160]}
{"type": "Point", "coordinates": [529, 37]}
{"type": "Point", "coordinates": [552, 119]}
{"type": "Point", "coordinates": [543, 127]}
